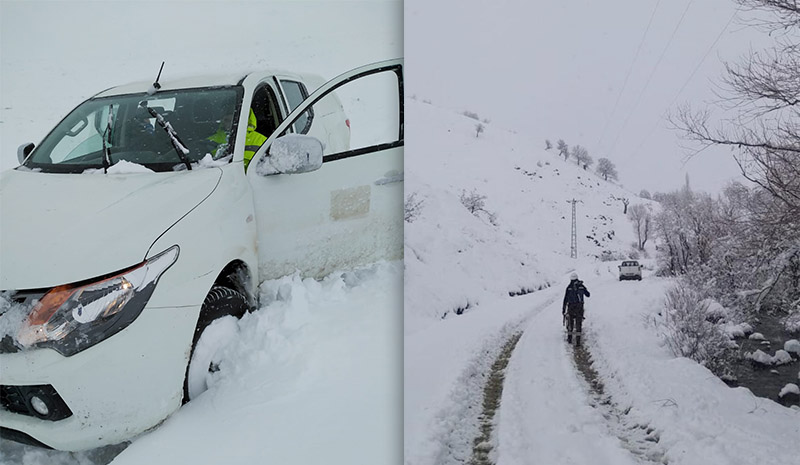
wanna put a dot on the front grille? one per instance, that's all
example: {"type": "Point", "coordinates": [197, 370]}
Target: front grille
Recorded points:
{"type": "Point", "coordinates": [17, 399]}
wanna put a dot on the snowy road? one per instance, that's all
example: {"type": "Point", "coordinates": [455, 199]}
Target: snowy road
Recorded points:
{"type": "Point", "coordinates": [646, 407]}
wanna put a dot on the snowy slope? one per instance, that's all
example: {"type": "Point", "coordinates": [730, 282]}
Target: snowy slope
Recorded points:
{"type": "Point", "coordinates": [641, 405]}
{"type": "Point", "coordinates": [313, 376]}
{"type": "Point", "coordinates": [455, 259]}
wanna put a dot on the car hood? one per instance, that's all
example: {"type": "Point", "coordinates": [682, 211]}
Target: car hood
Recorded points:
{"type": "Point", "coordinates": [60, 228]}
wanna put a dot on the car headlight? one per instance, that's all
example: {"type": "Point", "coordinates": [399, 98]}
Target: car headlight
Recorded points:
{"type": "Point", "coordinates": [73, 317]}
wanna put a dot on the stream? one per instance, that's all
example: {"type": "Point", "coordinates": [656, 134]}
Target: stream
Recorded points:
{"type": "Point", "coordinates": [765, 380]}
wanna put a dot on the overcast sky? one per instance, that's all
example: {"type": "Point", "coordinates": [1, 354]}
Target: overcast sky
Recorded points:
{"type": "Point", "coordinates": [557, 69]}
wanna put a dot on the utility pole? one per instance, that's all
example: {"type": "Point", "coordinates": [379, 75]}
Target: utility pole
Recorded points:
{"type": "Point", "coordinates": [574, 242]}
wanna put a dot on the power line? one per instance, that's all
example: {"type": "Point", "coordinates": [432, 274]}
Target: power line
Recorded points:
{"type": "Point", "coordinates": [688, 80]}
{"type": "Point", "coordinates": [650, 77]}
{"type": "Point", "coordinates": [628, 75]}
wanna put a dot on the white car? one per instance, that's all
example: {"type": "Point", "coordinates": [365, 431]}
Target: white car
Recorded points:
{"type": "Point", "coordinates": [630, 269]}
{"type": "Point", "coordinates": [128, 230]}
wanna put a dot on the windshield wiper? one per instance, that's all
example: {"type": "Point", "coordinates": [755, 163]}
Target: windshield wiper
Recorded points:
{"type": "Point", "coordinates": [173, 136]}
{"type": "Point", "coordinates": [107, 133]}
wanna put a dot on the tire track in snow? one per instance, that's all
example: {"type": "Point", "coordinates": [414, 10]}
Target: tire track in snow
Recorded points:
{"type": "Point", "coordinates": [468, 422]}
{"type": "Point", "coordinates": [638, 438]}
{"type": "Point", "coordinates": [492, 393]}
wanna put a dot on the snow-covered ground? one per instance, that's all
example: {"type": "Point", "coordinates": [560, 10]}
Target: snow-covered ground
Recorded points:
{"type": "Point", "coordinates": [644, 406]}
{"type": "Point", "coordinates": [313, 376]}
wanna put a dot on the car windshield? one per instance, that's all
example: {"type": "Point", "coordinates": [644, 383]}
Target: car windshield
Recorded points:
{"type": "Point", "coordinates": [122, 127]}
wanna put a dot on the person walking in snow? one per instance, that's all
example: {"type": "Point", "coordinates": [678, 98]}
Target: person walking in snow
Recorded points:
{"type": "Point", "coordinates": [572, 308]}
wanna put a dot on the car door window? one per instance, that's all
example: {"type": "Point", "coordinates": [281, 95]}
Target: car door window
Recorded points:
{"type": "Point", "coordinates": [295, 94]}
{"type": "Point", "coordinates": [358, 113]}
{"type": "Point", "coordinates": [266, 109]}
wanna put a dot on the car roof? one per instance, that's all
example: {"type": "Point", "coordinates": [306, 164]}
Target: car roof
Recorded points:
{"type": "Point", "coordinates": [209, 80]}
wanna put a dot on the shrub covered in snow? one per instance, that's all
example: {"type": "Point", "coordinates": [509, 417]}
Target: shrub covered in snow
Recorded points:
{"type": "Point", "coordinates": [412, 208]}
{"type": "Point", "coordinates": [792, 322]}
{"type": "Point", "coordinates": [687, 331]}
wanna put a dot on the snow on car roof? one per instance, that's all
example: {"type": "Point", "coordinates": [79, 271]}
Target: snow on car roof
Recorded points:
{"type": "Point", "coordinates": [195, 81]}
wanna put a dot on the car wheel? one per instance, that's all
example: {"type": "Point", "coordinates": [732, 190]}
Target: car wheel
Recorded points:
{"type": "Point", "coordinates": [220, 303]}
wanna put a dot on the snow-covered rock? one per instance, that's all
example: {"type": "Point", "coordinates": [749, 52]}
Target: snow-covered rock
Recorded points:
{"type": "Point", "coordinates": [734, 331]}
{"type": "Point", "coordinates": [792, 345]}
{"type": "Point", "coordinates": [756, 337]}
{"type": "Point", "coordinates": [781, 357]}
{"type": "Point", "coordinates": [715, 310]}
{"type": "Point", "coordinates": [789, 389]}
{"type": "Point", "coordinates": [759, 357]}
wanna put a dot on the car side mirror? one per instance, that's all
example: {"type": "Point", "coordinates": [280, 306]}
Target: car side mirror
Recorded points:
{"type": "Point", "coordinates": [24, 150]}
{"type": "Point", "coordinates": [292, 154]}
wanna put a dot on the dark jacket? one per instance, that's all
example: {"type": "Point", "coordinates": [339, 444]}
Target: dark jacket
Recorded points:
{"type": "Point", "coordinates": [575, 292]}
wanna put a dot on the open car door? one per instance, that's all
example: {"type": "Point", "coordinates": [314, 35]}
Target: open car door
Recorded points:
{"type": "Point", "coordinates": [318, 212]}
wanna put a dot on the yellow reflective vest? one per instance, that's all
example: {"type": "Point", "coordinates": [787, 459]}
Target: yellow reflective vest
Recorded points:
{"type": "Point", "coordinates": [253, 140]}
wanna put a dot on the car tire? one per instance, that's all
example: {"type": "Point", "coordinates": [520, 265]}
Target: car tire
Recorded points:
{"type": "Point", "coordinates": [220, 302]}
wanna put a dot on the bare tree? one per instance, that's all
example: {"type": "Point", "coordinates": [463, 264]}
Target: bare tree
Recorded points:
{"type": "Point", "coordinates": [412, 208]}
{"type": "Point", "coordinates": [581, 155]}
{"type": "Point", "coordinates": [476, 204]}
{"type": "Point", "coordinates": [642, 223]}
{"type": "Point", "coordinates": [563, 148]}
{"type": "Point", "coordinates": [547, 144]}
{"type": "Point", "coordinates": [479, 129]}
{"type": "Point", "coordinates": [606, 169]}
{"type": "Point", "coordinates": [761, 102]}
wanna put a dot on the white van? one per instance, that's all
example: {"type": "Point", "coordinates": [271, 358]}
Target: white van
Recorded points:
{"type": "Point", "coordinates": [131, 227]}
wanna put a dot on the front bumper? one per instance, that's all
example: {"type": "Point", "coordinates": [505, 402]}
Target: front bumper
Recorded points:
{"type": "Point", "coordinates": [637, 277]}
{"type": "Point", "coordinates": [115, 390]}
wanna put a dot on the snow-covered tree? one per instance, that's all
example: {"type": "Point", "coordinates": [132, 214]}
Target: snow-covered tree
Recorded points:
{"type": "Point", "coordinates": [581, 155]}
{"type": "Point", "coordinates": [645, 194]}
{"type": "Point", "coordinates": [547, 144]}
{"type": "Point", "coordinates": [563, 148]}
{"type": "Point", "coordinates": [606, 169]}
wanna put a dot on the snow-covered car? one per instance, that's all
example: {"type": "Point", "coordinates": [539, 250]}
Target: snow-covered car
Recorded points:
{"type": "Point", "coordinates": [630, 269]}
{"type": "Point", "coordinates": [126, 232]}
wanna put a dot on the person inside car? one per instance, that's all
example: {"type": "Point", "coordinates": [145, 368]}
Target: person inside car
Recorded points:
{"type": "Point", "coordinates": [253, 140]}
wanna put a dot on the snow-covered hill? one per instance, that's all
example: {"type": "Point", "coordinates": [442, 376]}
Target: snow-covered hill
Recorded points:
{"type": "Point", "coordinates": [455, 259]}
